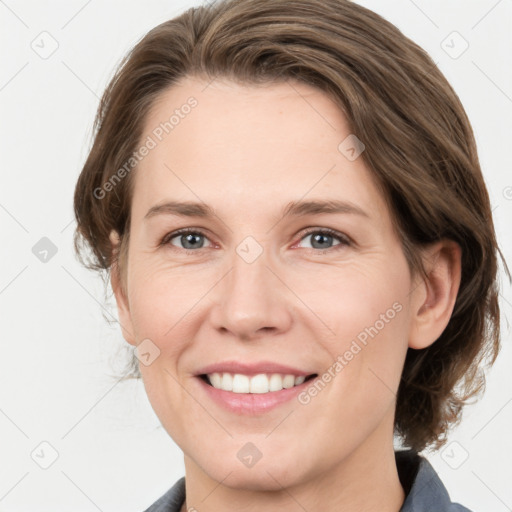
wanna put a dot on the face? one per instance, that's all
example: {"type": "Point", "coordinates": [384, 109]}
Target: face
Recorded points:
{"type": "Point", "coordinates": [257, 291]}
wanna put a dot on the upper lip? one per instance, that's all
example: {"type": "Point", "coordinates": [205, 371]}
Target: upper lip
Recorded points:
{"type": "Point", "coordinates": [252, 368]}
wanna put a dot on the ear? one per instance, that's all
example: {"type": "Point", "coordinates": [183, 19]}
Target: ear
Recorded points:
{"type": "Point", "coordinates": [123, 307]}
{"type": "Point", "coordinates": [434, 298]}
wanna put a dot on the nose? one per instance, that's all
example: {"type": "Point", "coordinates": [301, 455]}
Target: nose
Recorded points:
{"type": "Point", "coordinates": [251, 301]}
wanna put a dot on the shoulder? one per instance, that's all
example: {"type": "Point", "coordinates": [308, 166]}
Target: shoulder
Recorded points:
{"type": "Point", "coordinates": [172, 500]}
{"type": "Point", "coordinates": [423, 488]}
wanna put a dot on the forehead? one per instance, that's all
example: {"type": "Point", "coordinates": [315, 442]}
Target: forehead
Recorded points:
{"type": "Point", "coordinates": [253, 146]}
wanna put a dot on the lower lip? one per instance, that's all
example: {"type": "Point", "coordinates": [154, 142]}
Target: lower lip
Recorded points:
{"type": "Point", "coordinates": [252, 403]}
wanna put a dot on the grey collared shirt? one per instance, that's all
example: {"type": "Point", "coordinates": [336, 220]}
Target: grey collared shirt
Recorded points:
{"type": "Point", "coordinates": [424, 490]}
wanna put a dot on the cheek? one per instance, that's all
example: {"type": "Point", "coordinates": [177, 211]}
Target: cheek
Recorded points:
{"type": "Point", "coordinates": [365, 370]}
{"type": "Point", "coordinates": [352, 300]}
{"type": "Point", "coordinates": [163, 300]}
{"type": "Point", "coordinates": [368, 317]}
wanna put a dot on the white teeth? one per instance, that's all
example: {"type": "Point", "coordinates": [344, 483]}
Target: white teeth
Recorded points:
{"type": "Point", "coordinates": [227, 382]}
{"type": "Point", "coordinates": [299, 380]}
{"type": "Point", "coordinates": [216, 380]}
{"type": "Point", "coordinates": [241, 383]}
{"type": "Point", "coordinates": [261, 383]}
{"type": "Point", "coordinates": [276, 382]}
{"type": "Point", "coordinates": [288, 381]}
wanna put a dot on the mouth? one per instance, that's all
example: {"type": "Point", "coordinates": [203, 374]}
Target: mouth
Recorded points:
{"type": "Point", "coordinates": [261, 383]}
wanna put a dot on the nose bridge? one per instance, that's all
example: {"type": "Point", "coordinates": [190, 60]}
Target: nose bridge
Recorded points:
{"type": "Point", "coordinates": [251, 299]}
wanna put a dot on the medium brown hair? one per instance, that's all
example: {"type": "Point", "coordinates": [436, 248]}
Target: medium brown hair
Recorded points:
{"type": "Point", "coordinates": [419, 147]}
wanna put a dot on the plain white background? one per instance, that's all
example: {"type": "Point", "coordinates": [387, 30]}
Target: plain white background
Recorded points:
{"type": "Point", "coordinates": [58, 352]}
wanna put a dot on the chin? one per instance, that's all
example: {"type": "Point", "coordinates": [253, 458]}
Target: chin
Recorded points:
{"type": "Point", "coordinates": [271, 474]}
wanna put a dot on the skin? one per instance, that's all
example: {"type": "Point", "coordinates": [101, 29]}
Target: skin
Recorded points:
{"type": "Point", "coordinates": [247, 151]}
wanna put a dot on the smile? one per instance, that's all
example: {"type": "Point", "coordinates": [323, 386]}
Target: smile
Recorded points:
{"type": "Point", "coordinates": [252, 395]}
{"type": "Point", "coordinates": [260, 383]}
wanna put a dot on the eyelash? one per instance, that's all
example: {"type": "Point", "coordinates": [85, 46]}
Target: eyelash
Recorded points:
{"type": "Point", "coordinates": [343, 239]}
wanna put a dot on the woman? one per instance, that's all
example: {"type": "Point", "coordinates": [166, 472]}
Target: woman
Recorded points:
{"type": "Point", "coordinates": [288, 198]}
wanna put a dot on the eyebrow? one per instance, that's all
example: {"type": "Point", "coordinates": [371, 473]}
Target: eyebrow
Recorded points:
{"type": "Point", "coordinates": [292, 209]}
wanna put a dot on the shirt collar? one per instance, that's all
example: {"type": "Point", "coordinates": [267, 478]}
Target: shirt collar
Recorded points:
{"type": "Point", "coordinates": [422, 486]}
